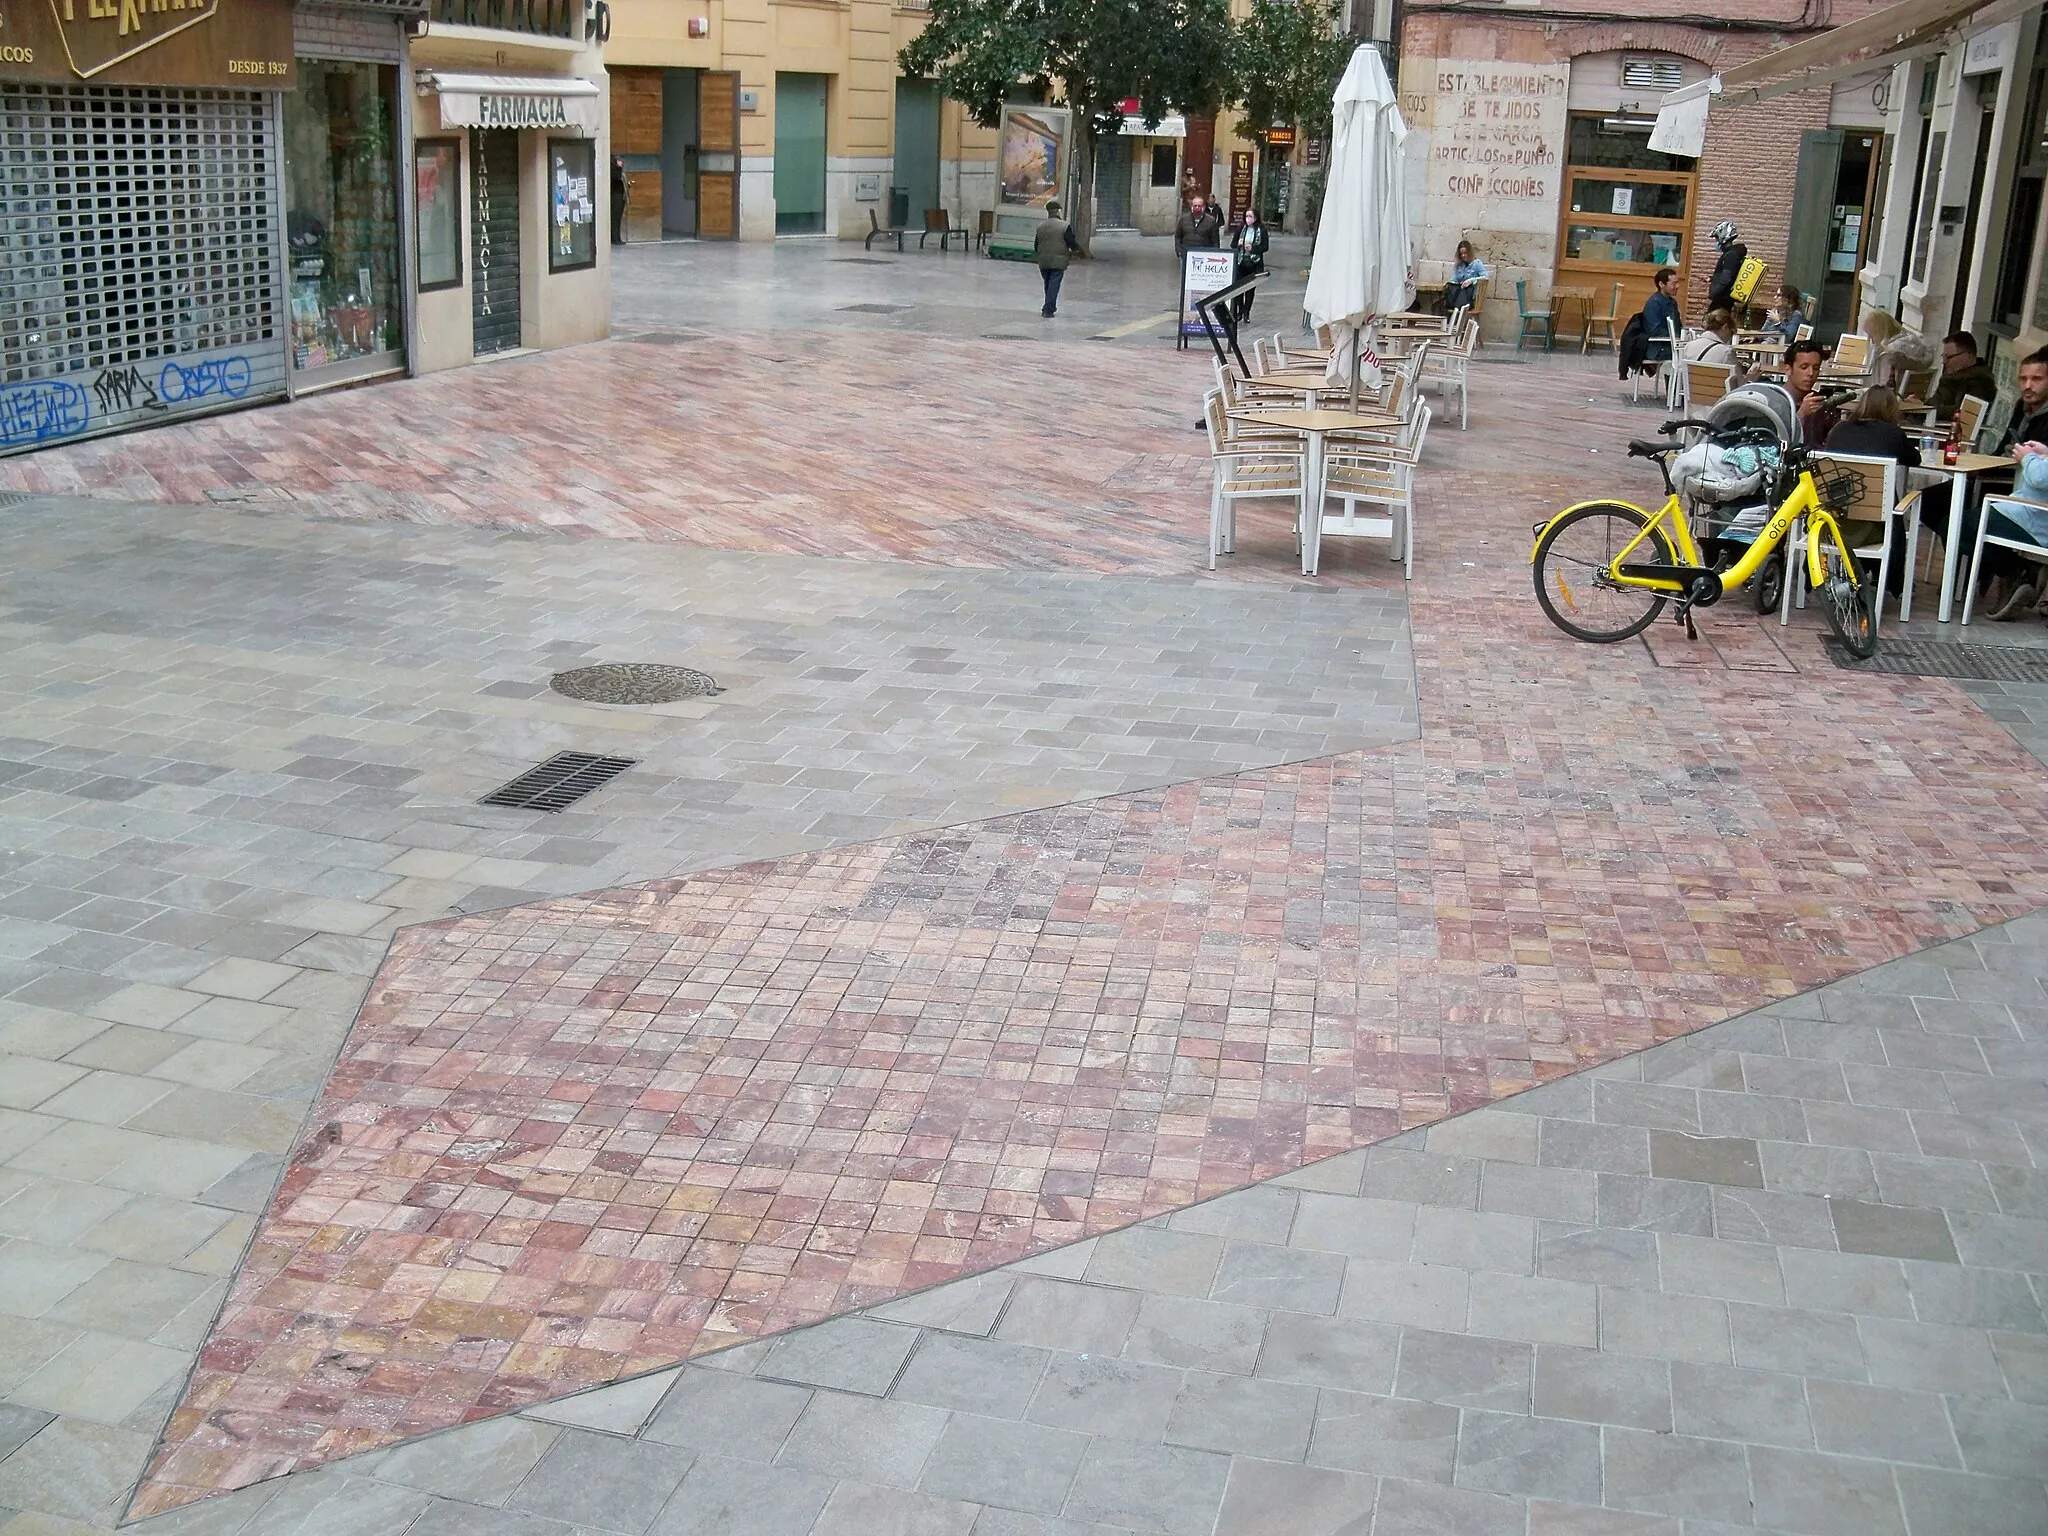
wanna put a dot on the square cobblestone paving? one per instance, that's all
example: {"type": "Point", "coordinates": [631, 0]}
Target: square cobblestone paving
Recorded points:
{"type": "Point", "coordinates": [577, 1139]}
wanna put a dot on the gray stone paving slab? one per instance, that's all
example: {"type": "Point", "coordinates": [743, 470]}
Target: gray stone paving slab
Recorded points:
{"type": "Point", "coordinates": [1718, 1383]}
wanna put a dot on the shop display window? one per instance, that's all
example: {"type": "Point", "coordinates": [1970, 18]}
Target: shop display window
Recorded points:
{"type": "Point", "coordinates": [572, 204]}
{"type": "Point", "coordinates": [341, 219]}
{"type": "Point", "coordinates": [437, 188]}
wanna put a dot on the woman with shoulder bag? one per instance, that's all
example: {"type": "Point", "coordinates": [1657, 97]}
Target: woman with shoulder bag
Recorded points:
{"type": "Point", "coordinates": [1249, 241]}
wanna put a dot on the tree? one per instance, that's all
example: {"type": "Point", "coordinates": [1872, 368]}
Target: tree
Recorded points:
{"type": "Point", "coordinates": [1285, 61]}
{"type": "Point", "coordinates": [1092, 55]}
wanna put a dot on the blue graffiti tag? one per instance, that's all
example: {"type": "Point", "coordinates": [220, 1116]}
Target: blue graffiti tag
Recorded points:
{"type": "Point", "coordinates": [216, 376]}
{"type": "Point", "coordinates": [44, 409]}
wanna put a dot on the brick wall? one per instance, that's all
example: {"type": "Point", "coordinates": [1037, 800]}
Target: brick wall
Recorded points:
{"type": "Point", "coordinates": [1749, 169]}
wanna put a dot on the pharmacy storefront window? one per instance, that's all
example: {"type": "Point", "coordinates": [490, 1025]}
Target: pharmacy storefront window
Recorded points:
{"type": "Point", "coordinates": [341, 221]}
{"type": "Point", "coordinates": [572, 204]}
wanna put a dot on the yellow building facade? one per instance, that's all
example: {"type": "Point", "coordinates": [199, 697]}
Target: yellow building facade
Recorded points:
{"type": "Point", "coordinates": [745, 119]}
{"type": "Point", "coordinates": [749, 119]}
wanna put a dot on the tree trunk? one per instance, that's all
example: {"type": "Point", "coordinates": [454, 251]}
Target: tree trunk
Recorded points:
{"type": "Point", "coordinates": [1083, 211]}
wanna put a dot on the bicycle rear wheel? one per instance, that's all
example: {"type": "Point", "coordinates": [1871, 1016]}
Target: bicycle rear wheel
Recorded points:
{"type": "Point", "coordinates": [1845, 598]}
{"type": "Point", "coordinates": [1570, 559]}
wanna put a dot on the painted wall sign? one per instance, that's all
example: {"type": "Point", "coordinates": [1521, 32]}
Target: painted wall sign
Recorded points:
{"type": "Point", "coordinates": [246, 43]}
{"type": "Point", "coordinates": [1486, 158]}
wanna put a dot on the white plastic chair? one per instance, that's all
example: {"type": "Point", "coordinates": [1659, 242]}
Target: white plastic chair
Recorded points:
{"type": "Point", "coordinates": [1269, 467]}
{"type": "Point", "coordinates": [1665, 372]}
{"type": "Point", "coordinates": [1380, 475]}
{"type": "Point", "coordinates": [1446, 367]}
{"type": "Point", "coordinates": [2026, 548]}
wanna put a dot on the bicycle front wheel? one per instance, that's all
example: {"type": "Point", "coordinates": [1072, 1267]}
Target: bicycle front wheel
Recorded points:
{"type": "Point", "coordinates": [1846, 600]}
{"type": "Point", "coordinates": [1572, 561]}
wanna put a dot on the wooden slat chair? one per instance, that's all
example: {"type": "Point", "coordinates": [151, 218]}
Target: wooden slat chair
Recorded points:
{"type": "Point", "coordinates": [1380, 475]}
{"type": "Point", "coordinates": [1540, 323]}
{"type": "Point", "coordinates": [984, 227]}
{"type": "Point", "coordinates": [1240, 468]}
{"type": "Point", "coordinates": [1610, 336]}
{"type": "Point", "coordinates": [877, 230]}
{"type": "Point", "coordinates": [1446, 367]}
{"type": "Point", "coordinates": [1866, 525]}
{"type": "Point", "coordinates": [1705, 383]}
{"type": "Point", "coordinates": [1970, 421]}
{"type": "Point", "coordinates": [1852, 352]}
{"type": "Point", "coordinates": [938, 222]}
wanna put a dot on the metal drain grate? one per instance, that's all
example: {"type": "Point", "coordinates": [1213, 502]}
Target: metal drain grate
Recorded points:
{"type": "Point", "coordinates": [664, 338]}
{"type": "Point", "coordinates": [1946, 658]}
{"type": "Point", "coordinates": [559, 782]}
{"type": "Point", "coordinates": [872, 309]}
{"type": "Point", "coordinates": [861, 261]}
{"type": "Point", "coordinates": [634, 682]}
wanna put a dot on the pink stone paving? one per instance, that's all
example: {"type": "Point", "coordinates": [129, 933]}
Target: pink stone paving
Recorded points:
{"type": "Point", "coordinates": [578, 1139]}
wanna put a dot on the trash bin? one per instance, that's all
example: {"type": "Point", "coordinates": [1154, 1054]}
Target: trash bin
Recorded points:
{"type": "Point", "coordinates": [899, 207]}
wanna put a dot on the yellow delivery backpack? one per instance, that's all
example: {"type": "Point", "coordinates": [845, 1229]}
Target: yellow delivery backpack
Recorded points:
{"type": "Point", "coordinates": [1746, 280]}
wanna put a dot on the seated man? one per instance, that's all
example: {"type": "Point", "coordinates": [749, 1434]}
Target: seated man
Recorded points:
{"type": "Point", "coordinates": [1961, 375]}
{"type": "Point", "coordinates": [1660, 316]}
{"type": "Point", "coordinates": [2013, 582]}
{"type": "Point", "coordinates": [1817, 416]}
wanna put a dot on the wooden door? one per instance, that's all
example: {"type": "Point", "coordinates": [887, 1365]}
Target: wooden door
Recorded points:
{"type": "Point", "coordinates": [718, 155]}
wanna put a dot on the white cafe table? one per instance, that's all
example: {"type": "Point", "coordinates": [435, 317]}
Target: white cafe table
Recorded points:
{"type": "Point", "coordinates": [1959, 475]}
{"type": "Point", "coordinates": [1315, 425]}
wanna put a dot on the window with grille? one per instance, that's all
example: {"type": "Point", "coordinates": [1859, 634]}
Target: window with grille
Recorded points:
{"type": "Point", "coordinates": [138, 256]}
{"type": "Point", "coordinates": [1652, 74]}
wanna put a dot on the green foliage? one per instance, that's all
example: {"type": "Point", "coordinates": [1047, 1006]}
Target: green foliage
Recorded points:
{"type": "Point", "coordinates": [1285, 61]}
{"type": "Point", "coordinates": [1092, 55]}
{"type": "Point", "coordinates": [1089, 54]}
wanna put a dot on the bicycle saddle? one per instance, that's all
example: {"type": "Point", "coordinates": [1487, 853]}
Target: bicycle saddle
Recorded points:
{"type": "Point", "coordinates": [1638, 449]}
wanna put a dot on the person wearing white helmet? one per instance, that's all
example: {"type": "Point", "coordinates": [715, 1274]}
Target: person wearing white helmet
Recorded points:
{"type": "Point", "coordinates": [1721, 286]}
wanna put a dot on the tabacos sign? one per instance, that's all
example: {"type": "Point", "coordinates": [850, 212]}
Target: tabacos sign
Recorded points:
{"type": "Point", "coordinates": [148, 42]}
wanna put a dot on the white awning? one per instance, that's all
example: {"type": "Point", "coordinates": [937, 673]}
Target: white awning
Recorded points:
{"type": "Point", "coordinates": [515, 101]}
{"type": "Point", "coordinates": [1169, 128]}
{"type": "Point", "coordinates": [1899, 32]}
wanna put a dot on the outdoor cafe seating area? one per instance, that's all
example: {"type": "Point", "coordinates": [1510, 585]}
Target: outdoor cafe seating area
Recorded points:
{"type": "Point", "coordinates": [1345, 460]}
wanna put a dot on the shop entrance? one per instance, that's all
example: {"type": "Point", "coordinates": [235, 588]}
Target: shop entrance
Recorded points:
{"type": "Point", "coordinates": [1833, 220]}
{"type": "Point", "coordinates": [1113, 183]}
{"type": "Point", "coordinates": [800, 153]}
{"type": "Point", "coordinates": [917, 148]}
{"type": "Point", "coordinates": [494, 240]}
{"type": "Point", "coordinates": [679, 144]}
{"type": "Point", "coordinates": [1627, 211]}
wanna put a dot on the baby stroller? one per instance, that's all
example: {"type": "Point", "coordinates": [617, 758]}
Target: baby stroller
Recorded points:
{"type": "Point", "coordinates": [1727, 479]}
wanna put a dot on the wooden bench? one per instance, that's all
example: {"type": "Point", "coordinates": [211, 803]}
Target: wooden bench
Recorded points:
{"type": "Point", "coordinates": [938, 222]}
{"type": "Point", "coordinates": [877, 230]}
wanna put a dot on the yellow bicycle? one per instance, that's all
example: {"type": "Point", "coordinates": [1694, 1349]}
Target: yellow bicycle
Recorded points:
{"type": "Point", "coordinates": [1605, 569]}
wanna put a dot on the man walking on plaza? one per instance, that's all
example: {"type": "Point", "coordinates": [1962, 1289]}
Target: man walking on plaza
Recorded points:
{"type": "Point", "coordinates": [1053, 247]}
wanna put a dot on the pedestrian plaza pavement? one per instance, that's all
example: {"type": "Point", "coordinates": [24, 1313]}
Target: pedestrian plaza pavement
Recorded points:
{"type": "Point", "coordinates": [1063, 1043]}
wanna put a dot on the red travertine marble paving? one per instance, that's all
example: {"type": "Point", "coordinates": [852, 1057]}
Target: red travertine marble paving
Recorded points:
{"type": "Point", "coordinates": [573, 1140]}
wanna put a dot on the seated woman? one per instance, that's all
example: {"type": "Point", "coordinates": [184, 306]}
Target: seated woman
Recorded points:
{"type": "Point", "coordinates": [1870, 429]}
{"type": "Point", "coordinates": [1786, 319]}
{"type": "Point", "coordinates": [1715, 343]}
{"type": "Point", "coordinates": [1466, 276]}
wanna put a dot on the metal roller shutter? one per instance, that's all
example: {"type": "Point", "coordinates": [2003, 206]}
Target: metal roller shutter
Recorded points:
{"type": "Point", "coordinates": [139, 257]}
{"type": "Point", "coordinates": [494, 228]}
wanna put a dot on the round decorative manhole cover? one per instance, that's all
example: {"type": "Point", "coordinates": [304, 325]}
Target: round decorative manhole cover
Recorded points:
{"type": "Point", "coordinates": [633, 682]}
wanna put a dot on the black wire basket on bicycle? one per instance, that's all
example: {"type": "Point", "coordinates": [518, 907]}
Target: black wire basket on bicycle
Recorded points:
{"type": "Point", "coordinates": [1840, 487]}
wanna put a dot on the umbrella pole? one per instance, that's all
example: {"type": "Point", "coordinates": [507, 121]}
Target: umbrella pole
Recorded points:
{"type": "Point", "coordinates": [1356, 337]}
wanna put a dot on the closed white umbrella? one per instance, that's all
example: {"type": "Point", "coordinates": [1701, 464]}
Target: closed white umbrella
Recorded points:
{"type": "Point", "coordinates": [1360, 270]}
